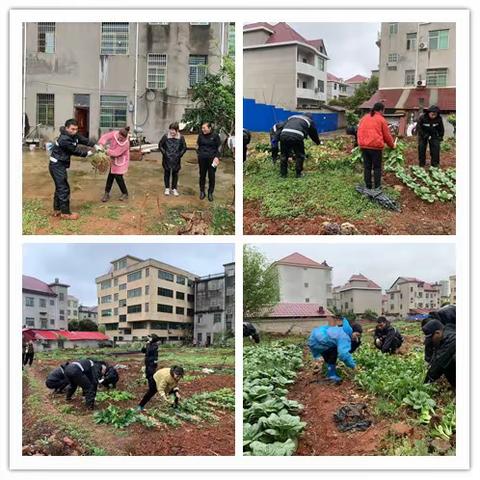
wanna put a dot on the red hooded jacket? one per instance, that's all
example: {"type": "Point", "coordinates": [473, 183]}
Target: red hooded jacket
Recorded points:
{"type": "Point", "coordinates": [373, 132]}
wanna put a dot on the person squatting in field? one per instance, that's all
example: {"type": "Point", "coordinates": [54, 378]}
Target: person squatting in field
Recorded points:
{"type": "Point", "coordinates": [85, 374]}
{"type": "Point", "coordinates": [333, 343]}
{"type": "Point", "coordinates": [208, 148]}
{"type": "Point", "coordinates": [251, 332]}
{"type": "Point", "coordinates": [117, 145]}
{"type": "Point", "coordinates": [172, 147]}
{"type": "Point", "coordinates": [165, 383]}
{"type": "Point", "coordinates": [296, 129]}
{"type": "Point", "coordinates": [440, 351]}
{"type": "Point", "coordinates": [66, 145]}
{"type": "Point", "coordinates": [275, 132]}
{"type": "Point", "coordinates": [385, 337]}
{"type": "Point", "coordinates": [56, 379]}
{"type": "Point", "coordinates": [28, 353]}
{"type": "Point", "coordinates": [430, 133]}
{"type": "Point", "coordinates": [373, 133]}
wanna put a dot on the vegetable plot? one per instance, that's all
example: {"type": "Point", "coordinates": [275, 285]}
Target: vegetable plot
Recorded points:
{"type": "Point", "coordinates": [271, 421]}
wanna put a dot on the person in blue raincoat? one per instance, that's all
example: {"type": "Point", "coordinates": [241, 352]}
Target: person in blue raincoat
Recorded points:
{"type": "Point", "coordinates": [335, 342]}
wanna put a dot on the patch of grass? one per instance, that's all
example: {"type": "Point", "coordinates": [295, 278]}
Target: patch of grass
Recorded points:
{"type": "Point", "coordinates": [86, 208]}
{"type": "Point", "coordinates": [34, 217]}
{"type": "Point", "coordinates": [223, 221]}
{"type": "Point", "coordinates": [385, 408]}
{"type": "Point", "coordinates": [112, 212]}
{"type": "Point", "coordinates": [169, 223]}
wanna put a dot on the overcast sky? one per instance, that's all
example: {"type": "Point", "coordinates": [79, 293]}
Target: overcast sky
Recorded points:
{"type": "Point", "coordinates": [79, 264]}
{"type": "Point", "coordinates": [382, 263]}
{"type": "Point", "coordinates": [350, 46]}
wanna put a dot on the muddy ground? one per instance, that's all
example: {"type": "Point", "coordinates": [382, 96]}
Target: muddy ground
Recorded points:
{"type": "Point", "coordinates": [52, 426]}
{"type": "Point", "coordinates": [148, 210]}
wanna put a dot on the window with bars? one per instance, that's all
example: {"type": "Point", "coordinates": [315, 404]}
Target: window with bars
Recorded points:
{"type": "Point", "coordinates": [113, 111]}
{"type": "Point", "coordinates": [437, 77]}
{"type": "Point", "coordinates": [411, 41]}
{"type": "Point", "coordinates": [438, 39]}
{"type": "Point", "coordinates": [197, 69]}
{"type": "Point", "coordinates": [393, 57]}
{"type": "Point", "coordinates": [321, 63]}
{"type": "Point", "coordinates": [393, 28]}
{"type": "Point", "coordinates": [46, 37]}
{"type": "Point", "coordinates": [46, 109]}
{"type": "Point", "coordinates": [114, 38]}
{"type": "Point", "coordinates": [156, 71]}
{"type": "Point", "coordinates": [231, 40]}
{"type": "Point", "coordinates": [409, 77]}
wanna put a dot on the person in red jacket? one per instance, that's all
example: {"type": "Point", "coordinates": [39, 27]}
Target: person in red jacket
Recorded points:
{"type": "Point", "coordinates": [373, 134]}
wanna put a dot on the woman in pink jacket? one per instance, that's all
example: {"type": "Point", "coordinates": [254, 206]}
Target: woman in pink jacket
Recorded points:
{"type": "Point", "coordinates": [117, 146]}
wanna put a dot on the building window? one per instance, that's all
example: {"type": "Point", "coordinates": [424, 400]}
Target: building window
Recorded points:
{"type": "Point", "coordinates": [115, 311]}
{"type": "Point", "coordinates": [163, 275]}
{"type": "Point", "coordinates": [29, 302]}
{"type": "Point", "coordinates": [113, 111]}
{"type": "Point", "coordinates": [164, 308]}
{"type": "Point", "coordinates": [321, 86]}
{"type": "Point", "coordinates": [305, 285]}
{"type": "Point", "coordinates": [147, 289]}
{"type": "Point", "coordinates": [181, 280]}
{"type": "Point", "coordinates": [179, 310]}
{"type": "Point", "coordinates": [197, 69]}
{"type": "Point", "coordinates": [231, 40]}
{"type": "Point", "coordinates": [52, 321]}
{"type": "Point", "coordinates": [217, 317]}
{"type": "Point", "coordinates": [114, 38]}
{"type": "Point", "coordinates": [43, 303]}
{"type": "Point", "coordinates": [156, 71]}
{"type": "Point", "coordinates": [392, 67]}
{"type": "Point", "coordinates": [134, 308]}
{"type": "Point", "coordinates": [61, 297]}
{"type": "Point", "coordinates": [393, 28]}
{"type": "Point", "coordinates": [122, 303]}
{"type": "Point", "coordinates": [131, 277]}
{"type": "Point", "coordinates": [321, 64]}
{"type": "Point", "coordinates": [199, 23]}
{"type": "Point", "coordinates": [189, 312]}
{"type": "Point", "coordinates": [46, 109]}
{"type": "Point", "coordinates": [135, 292]}
{"type": "Point", "coordinates": [165, 292]}
{"type": "Point", "coordinates": [115, 282]}
{"type": "Point", "coordinates": [115, 297]}
{"type": "Point", "coordinates": [307, 300]}
{"type": "Point", "coordinates": [437, 77]}
{"type": "Point", "coordinates": [105, 284]}
{"type": "Point", "coordinates": [409, 77]}
{"type": "Point", "coordinates": [46, 37]}
{"type": "Point", "coordinates": [122, 286]}
{"type": "Point", "coordinates": [393, 57]}
{"type": "Point", "coordinates": [106, 299]}
{"type": "Point", "coordinates": [180, 296]}
{"type": "Point", "coordinates": [147, 307]}
{"type": "Point", "coordinates": [411, 41]}
{"type": "Point", "coordinates": [438, 39]}
{"type": "Point", "coordinates": [190, 298]}
{"type": "Point", "coordinates": [147, 272]}
{"type": "Point", "coordinates": [52, 302]}
{"type": "Point", "coordinates": [106, 313]}
{"type": "Point", "coordinates": [120, 264]}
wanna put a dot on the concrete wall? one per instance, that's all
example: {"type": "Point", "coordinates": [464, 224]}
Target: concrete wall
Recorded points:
{"type": "Point", "coordinates": [299, 326]}
{"type": "Point", "coordinates": [257, 37]}
{"type": "Point", "coordinates": [77, 67]}
{"type": "Point", "coordinates": [361, 300]}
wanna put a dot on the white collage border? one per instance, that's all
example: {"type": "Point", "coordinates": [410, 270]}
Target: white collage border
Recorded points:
{"type": "Point", "coordinates": [461, 460]}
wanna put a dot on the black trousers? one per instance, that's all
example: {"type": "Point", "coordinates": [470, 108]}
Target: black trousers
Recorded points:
{"type": "Point", "coordinates": [58, 386]}
{"type": "Point", "coordinates": [61, 197]}
{"type": "Point", "coordinates": [291, 146]}
{"type": "Point", "coordinates": [330, 356]}
{"type": "Point", "coordinates": [152, 386]}
{"type": "Point", "coordinates": [434, 144]}
{"type": "Point", "coordinates": [28, 358]}
{"type": "Point", "coordinates": [275, 151]}
{"type": "Point", "coordinates": [372, 161]}
{"type": "Point", "coordinates": [120, 182]}
{"type": "Point", "coordinates": [205, 167]}
{"type": "Point", "coordinates": [77, 378]}
{"type": "Point", "coordinates": [166, 177]}
{"type": "Point", "coordinates": [245, 146]}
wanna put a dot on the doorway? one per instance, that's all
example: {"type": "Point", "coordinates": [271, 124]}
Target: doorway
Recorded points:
{"type": "Point", "coordinates": [81, 113]}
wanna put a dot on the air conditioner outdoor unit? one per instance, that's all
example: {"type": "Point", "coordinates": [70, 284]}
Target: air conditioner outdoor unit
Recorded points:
{"type": "Point", "coordinates": [422, 46]}
{"type": "Point", "coordinates": [421, 83]}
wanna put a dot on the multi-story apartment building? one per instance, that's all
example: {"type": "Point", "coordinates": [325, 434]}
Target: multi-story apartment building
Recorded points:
{"type": "Point", "coordinates": [358, 295]}
{"type": "Point", "coordinates": [453, 289]}
{"type": "Point", "coordinates": [99, 74]}
{"type": "Point", "coordinates": [417, 68]}
{"type": "Point", "coordinates": [88, 313]}
{"type": "Point", "coordinates": [408, 293]}
{"type": "Point", "coordinates": [337, 88]}
{"type": "Point", "coordinates": [139, 297]}
{"type": "Point", "coordinates": [72, 308]}
{"type": "Point", "coordinates": [355, 81]}
{"type": "Point", "coordinates": [44, 305]}
{"type": "Point", "coordinates": [283, 68]}
{"type": "Point", "coordinates": [214, 306]}
{"type": "Point", "coordinates": [303, 280]}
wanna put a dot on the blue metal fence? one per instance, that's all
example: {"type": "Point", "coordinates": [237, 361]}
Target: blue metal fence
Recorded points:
{"type": "Point", "coordinates": [259, 117]}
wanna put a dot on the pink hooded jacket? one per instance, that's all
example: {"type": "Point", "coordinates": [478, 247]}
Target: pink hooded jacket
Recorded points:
{"type": "Point", "coordinates": [118, 151]}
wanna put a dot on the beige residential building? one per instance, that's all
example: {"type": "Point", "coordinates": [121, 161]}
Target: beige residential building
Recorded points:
{"type": "Point", "coordinates": [72, 308]}
{"type": "Point", "coordinates": [88, 313]}
{"type": "Point", "coordinates": [358, 295]}
{"type": "Point", "coordinates": [338, 88]}
{"type": "Point", "coordinates": [140, 297]}
{"type": "Point", "coordinates": [453, 289]}
{"type": "Point", "coordinates": [302, 280]}
{"type": "Point", "coordinates": [283, 68]}
{"type": "Point", "coordinates": [409, 293]}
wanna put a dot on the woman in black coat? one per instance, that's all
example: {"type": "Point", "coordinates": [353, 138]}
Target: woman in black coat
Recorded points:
{"type": "Point", "coordinates": [208, 144]}
{"type": "Point", "coordinates": [172, 146]}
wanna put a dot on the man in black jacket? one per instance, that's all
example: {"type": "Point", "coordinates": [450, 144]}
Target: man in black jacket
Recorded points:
{"type": "Point", "coordinates": [56, 379]}
{"type": "Point", "coordinates": [447, 315]}
{"type": "Point", "coordinates": [275, 132]}
{"type": "Point", "coordinates": [151, 359]}
{"type": "Point", "coordinates": [296, 129]}
{"type": "Point", "coordinates": [65, 146]}
{"type": "Point", "coordinates": [111, 377]}
{"type": "Point", "coordinates": [430, 131]}
{"type": "Point", "coordinates": [251, 332]}
{"type": "Point", "coordinates": [441, 342]}
{"type": "Point", "coordinates": [386, 338]}
{"type": "Point", "coordinates": [85, 374]}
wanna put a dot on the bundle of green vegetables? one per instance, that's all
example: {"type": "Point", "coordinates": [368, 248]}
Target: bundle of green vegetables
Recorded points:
{"type": "Point", "coordinates": [100, 162]}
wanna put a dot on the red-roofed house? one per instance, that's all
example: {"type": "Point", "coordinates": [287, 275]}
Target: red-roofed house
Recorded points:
{"type": "Point", "coordinates": [356, 81]}
{"type": "Point", "coordinates": [338, 88]}
{"type": "Point", "coordinates": [52, 339]}
{"type": "Point", "coordinates": [303, 280]}
{"type": "Point", "coordinates": [282, 67]}
{"type": "Point", "coordinates": [358, 295]}
{"type": "Point", "coordinates": [408, 293]}
{"type": "Point", "coordinates": [417, 68]}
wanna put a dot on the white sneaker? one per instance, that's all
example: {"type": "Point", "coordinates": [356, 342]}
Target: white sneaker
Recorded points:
{"type": "Point", "coordinates": [175, 192]}
{"type": "Point", "coordinates": [167, 191]}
